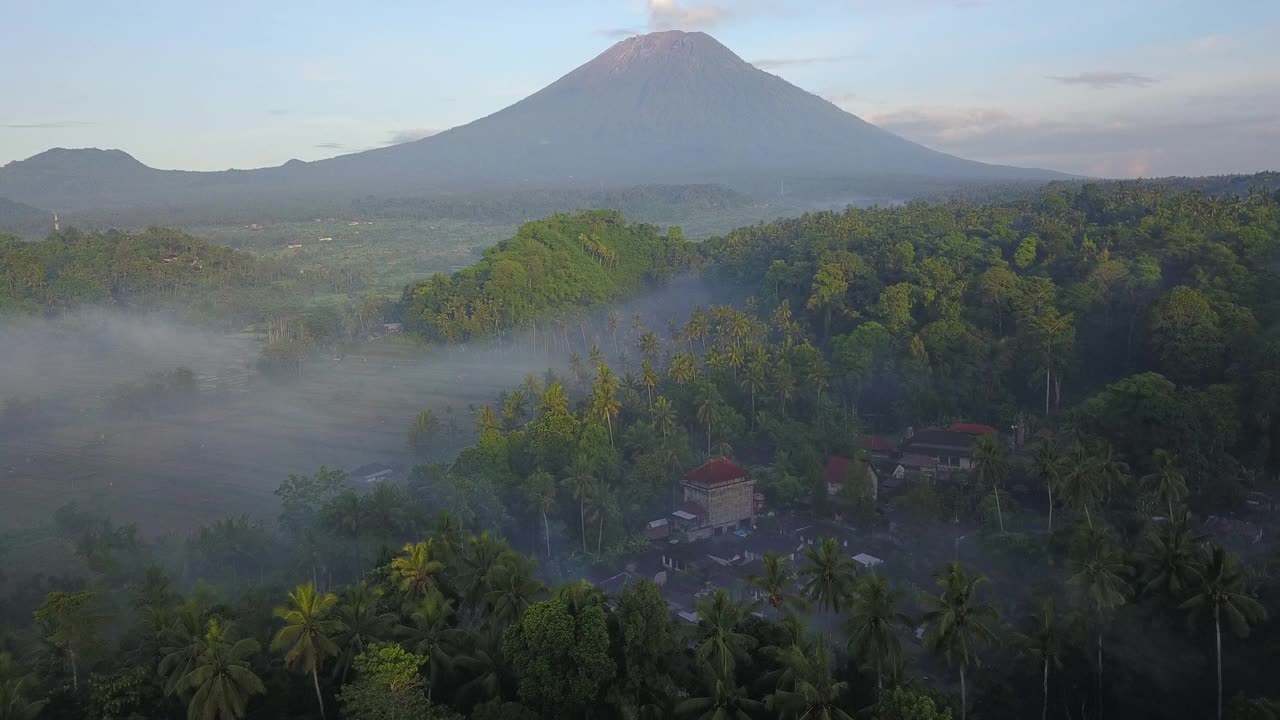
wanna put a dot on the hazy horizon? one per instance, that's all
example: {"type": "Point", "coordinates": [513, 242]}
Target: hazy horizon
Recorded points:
{"type": "Point", "coordinates": [1104, 89]}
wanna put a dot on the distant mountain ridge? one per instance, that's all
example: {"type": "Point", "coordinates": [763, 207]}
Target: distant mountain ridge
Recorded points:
{"type": "Point", "coordinates": [669, 107]}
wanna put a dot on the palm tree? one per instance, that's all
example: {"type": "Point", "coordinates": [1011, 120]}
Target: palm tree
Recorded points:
{"type": "Point", "coordinates": [14, 704]}
{"type": "Point", "coordinates": [830, 575]}
{"type": "Point", "coordinates": [1048, 468]}
{"type": "Point", "coordinates": [307, 636]}
{"type": "Point", "coordinates": [784, 383]}
{"type": "Point", "coordinates": [417, 568]}
{"type": "Point", "coordinates": [958, 625]}
{"type": "Point", "coordinates": [723, 701]}
{"type": "Point", "coordinates": [221, 678]}
{"type": "Point", "coordinates": [664, 416]}
{"type": "Point", "coordinates": [708, 406]}
{"type": "Point", "coordinates": [184, 642]}
{"type": "Point", "coordinates": [360, 624]}
{"type": "Point", "coordinates": [991, 465]}
{"type": "Point", "coordinates": [872, 626]}
{"type": "Point", "coordinates": [541, 487]}
{"type": "Point", "coordinates": [447, 538]}
{"type": "Point", "coordinates": [1080, 483]}
{"type": "Point", "coordinates": [347, 516]}
{"type": "Point", "coordinates": [648, 344]}
{"type": "Point", "coordinates": [515, 406]}
{"type": "Point", "coordinates": [604, 401]}
{"type": "Point", "coordinates": [1172, 561]}
{"type": "Point", "coordinates": [483, 553]}
{"type": "Point", "coordinates": [649, 377]}
{"type": "Point", "coordinates": [1223, 591]}
{"type": "Point", "coordinates": [512, 589]}
{"type": "Point", "coordinates": [684, 368]}
{"type": "Point", "coordinates": [814, 693]}
{"type": "Point", "coordinates": [579, 481]}
{"type": "Point", "coordinates": [719, 643]}
{"type": "Point", "coordinates": [753, 381]}
{"type": "Point", "coordinates": [776, 584]}
{"type": "Point", "coordinates": [1098, 585]}
{"type": "Point", "coordinates": [430, 633]}
{"type": "Point", "coordinates": [1166, 482]}
{"type": "Point", "coordinates": [1045, 643]}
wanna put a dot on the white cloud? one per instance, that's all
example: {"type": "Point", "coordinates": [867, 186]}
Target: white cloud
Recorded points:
{"type": "Point", "coordinates": [674, 15]}
{"type": "Point", "coordinates": [1105, 79]}
{"type": "Point", "coordinates": [397, 137]}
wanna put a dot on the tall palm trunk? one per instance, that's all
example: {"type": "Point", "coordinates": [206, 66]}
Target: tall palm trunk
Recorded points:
{"type": "Point", "coordinates": [546, 529]}
{"type": "Point", "coordinates": [582, 520]}
{"type": "Point", "coordinates": [999, 513]}
{"type": "Point", "coordinates": [600, 533]}
{"type": "Point", "coordinates": [315, 678]}
{"type": "Point", "coordinates": [1217, 629]}
{"type": "Point", "coordinates": [1049, 487]}
{"type": "Point", "coordinates": [1099, 682]}
{"type": "Point", "coordinates": [75, 671]}
{"type": "Point", "coordinates": [1044, 684]}
{"type": "Point", "coordinates": [964, 695]}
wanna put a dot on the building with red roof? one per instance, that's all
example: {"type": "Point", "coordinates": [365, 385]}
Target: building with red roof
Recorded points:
{"type": "Point", "coordinates": [837, 474]}
{"type": "Point", "coordinates": [972, 429]}
{"type": "Point", "coordinates": [719, 497]}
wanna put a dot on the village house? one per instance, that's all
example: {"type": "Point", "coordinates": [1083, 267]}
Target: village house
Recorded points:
{"type": "Point", "coordinates": [951, 449]}
{"type": "Point", "coordinates": [719, 497]}
{"type": "Point", "coordinates": [371, 473]}
{"type": "Point", "coordinates": [838, 473]}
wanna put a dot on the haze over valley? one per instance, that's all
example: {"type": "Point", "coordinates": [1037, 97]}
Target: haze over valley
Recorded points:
{"type": "Point", "coordinates": [678, 360]}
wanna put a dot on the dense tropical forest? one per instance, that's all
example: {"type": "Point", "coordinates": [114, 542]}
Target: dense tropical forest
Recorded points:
{"type": "Point", "coordinates": [1126, 335]}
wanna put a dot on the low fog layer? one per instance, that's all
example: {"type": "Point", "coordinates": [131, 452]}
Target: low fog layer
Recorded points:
{"type": "Point", "coordinates": [226, 449]}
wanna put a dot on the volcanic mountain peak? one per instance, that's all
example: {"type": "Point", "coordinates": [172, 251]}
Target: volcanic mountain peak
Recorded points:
{"type": "Point", "coordinates": [666, 46]}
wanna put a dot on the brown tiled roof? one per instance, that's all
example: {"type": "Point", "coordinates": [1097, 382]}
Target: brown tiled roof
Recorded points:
{"type": "Point", "coordinates": [716, 471]}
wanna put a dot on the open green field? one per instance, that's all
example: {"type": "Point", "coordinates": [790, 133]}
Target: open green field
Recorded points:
{"type": "Point", "coordinates": [382, 255]}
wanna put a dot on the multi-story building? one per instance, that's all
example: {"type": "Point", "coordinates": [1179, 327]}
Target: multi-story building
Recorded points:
{"type": "Point", "coordinates": [719, 497]}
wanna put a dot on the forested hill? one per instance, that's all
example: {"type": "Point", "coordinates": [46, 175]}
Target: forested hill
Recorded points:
{"type": "Point", "coordinates": [559, 263]}
{"type": "Point", "coordinates": [156, 269]}
{"type": "Point", "coordinates": [23, 219]}
{"type": "Point", "coordinates": [950, 311]}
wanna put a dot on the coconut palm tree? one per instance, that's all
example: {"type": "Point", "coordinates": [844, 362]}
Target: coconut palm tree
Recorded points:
{"type": "Point", "coordinates": [648, 345]}
{"type": "Point", "coordinates": [813, 693]}
{"type": "Point", "coordinates": [483, 553]}
{"type": "Point", "coordinates": [723, 701]}
{"type": "Point", "coordinates": [360, 624]}
{"type": "Point", "coordinates": [14, 704]}
{"type": "Point", "coordinates": [957, 624]}
{"type": "Point", "coordinates": [541, 487]}
{"type": "Point", "coordinates": [579, 481]}
{"type": "Point", "coordinates": [306, 640]}
{"type": "Point", "coordinates": [221, 679]}
{"type": "Point", "coordinates": [1222, 591]}
{"type": "Point", "coordinates": [417, 568]}
{"type": "Point", "coordinates": [777, 584]}
{"type": "Point", "coordinates": [1081, 486]}
{"type": "Point", "coordinates": [1166, 482]}
{"type": "Point", "coordinates": [649, 377]}
{"type": "Point", "coordinates": [1048, 467]}
{"type": "Point", "coordinates": [1045, 644]}
{"type": "Point", "coordinates": [708, 406]}
{"type": "Point", "coordinates": [830, 575]}
{"type": "Point", "coordinates": [753, 381]}
{"type": "Point", "coordinates": [719, 643]}
{"type": "Point", "coordinates": [991, 466]}
{"type": "Point", "coordinates": [184, 641]}
{"type": "Point", "coordinates": [1172, 561]}
{"type": "Point", "coordinates": [430, 633]}
{"type": "Point", "coordinates": [664, 416]}
{"type": "Point", "coordinates": [683, 369]}
{"type": "Point", "coordinates": [512, 589]}
{"type": "Point", "coordinates": [447, 538]}
{"type": "Point", "coordinates": [1098, 585]}
{"type": "Point", "coordinates": [874, 618]}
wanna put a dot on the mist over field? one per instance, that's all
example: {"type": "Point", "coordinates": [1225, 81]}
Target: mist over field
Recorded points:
{"type": "Point", "coordinates": [226, 448]}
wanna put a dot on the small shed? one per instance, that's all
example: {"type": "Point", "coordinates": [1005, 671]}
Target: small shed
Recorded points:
{"type": "Point", "coordinates": [867, 561]}
{"type": "Point", "coordinates": [371, 473]}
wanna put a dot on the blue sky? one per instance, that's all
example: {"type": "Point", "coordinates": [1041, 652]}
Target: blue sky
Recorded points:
{"type": "Point", "coordinates": [1112, 88]}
